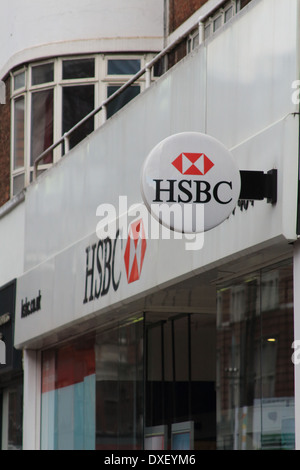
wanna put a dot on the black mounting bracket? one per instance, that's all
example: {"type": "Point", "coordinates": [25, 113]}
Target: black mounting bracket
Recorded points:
{"type": "Point", "coordinates": [257, 185]}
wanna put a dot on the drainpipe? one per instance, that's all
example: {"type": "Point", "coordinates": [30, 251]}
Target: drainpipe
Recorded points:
{"type": "Point", "coordinates": [201, 29]}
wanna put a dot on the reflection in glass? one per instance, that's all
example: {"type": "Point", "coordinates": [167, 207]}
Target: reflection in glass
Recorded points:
{"type": "Point", "coordinates": [228, 14]}
{"type": "Point", "coordinates": [15, 417]}
{"type": "Point", "coordinates": [277, 371]}
{"type": "Point", "coordinates": [123, 66]}
{"type": "Point", "coordinates": [255, 385]}
{"type": "Point", "coordinates": [119, 387]}
{"type": "Point", "coordinates": [207, 31]}
{"type": "Point", "coordinates": [18, 183]}
{"type": "Point", "coordinates": [19, 80]}
{"type": "Point", "coordinates": [19, 121]}
{"type": "Point", "coordinates": [227, 384]}
{"type": "Point", "coordinates": [41, 124]}
{"type": "Point", "coordinates": [120, 100]}
{"type": "Point", "coordinates": [217, 23]}
{"type": "Point", "coordinates": [68, 397]}
{"type": "Point", "coordinates": [180, 378]}
{"type": "Point", "coordinates": [42, 74]}
{"type": "Point", "coordinates": [78, 68]}
{"type": "Point", "coordinates": [78, 101]}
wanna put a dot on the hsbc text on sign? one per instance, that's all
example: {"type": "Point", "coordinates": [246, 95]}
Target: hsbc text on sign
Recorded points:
{"type": "Point", "coordinates": [106, 259]}
{"type": "Point", "coordinates": [100, 269]}
{"type": "Point", "coordinates": [188, 171]}
{"type": "Point", "coordinates": [200, 194]}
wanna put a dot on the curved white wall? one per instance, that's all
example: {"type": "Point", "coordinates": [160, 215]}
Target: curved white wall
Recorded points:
{"type": "Point", "coordinates": [35, 29]}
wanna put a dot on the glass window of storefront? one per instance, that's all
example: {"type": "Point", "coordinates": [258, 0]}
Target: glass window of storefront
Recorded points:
{"type": "Point", "coordinates": [68, 397]}
{"type": "Point", "coordinates": [119, 387]}
{"type": "Point", "coordinates": [92, 391]}
{"type": "Point", "coordinates": [255, 373]}
{"type": "Point", "coordinates": [161, 380]}
{"type": "Point", "coordinates": [180, 381]}
{"type": "Point", "coordinates": [11, 416]}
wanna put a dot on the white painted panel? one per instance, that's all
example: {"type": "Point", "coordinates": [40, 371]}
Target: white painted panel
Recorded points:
{"type": "Point", "coordinates": [37, 282]}
{"type": "Point", "coordinates": [251, 65]}
{"type": "Point", "coordinates": [43, 28]}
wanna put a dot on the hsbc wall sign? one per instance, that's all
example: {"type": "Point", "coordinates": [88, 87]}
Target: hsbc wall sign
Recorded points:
{"type": "Point", "coordinates": [190, 182]}
{"type": "Point", "coordinates": [104, 270]}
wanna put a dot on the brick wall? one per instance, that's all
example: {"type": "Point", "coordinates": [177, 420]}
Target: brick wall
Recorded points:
{"type": "Point", "coordinates": [5, 147]}
{"type": "Point", "coordinates": [181, 10]}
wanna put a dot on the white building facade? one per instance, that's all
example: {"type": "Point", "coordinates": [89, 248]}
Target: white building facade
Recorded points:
{"type": "Point", "coordinates": [160, 340]}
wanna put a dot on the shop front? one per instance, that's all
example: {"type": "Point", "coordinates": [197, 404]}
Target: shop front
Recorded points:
{"type": "Point", "coordinates": [142, 337]}
{"type": "Point", "coordinates": [202, 366]}
{"type": "Point", "coordinates": [120, 362]}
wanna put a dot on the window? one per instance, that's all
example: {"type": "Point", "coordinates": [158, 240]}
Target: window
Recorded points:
{"type": "Point", "coordinates": [42, 74]}
{"type": "Point", "coordinates": [92, 391]}
{"type": "Point", "coordinates": [18, 143]}
{"type": "Point", "coordinates": [19, 121]}
{"type": "Point", "coordinates": [78, 68]}
{"type": "Point", "coordinates": [213, 23]}
{"type": "Point", "coordinates": [110, 389]}
{"type": "Point", "coordinates": [255, 388]}
{"type": "Point", "coordinates": [19, 80]}
{"type": "Point", "coordinates": [33, 120]}
{"type": "Point", "coordinates": [116, 68]}
{"type": "Point", "coordinates": [41, 124]}
{"type": "Point", "coordinates": [180, 380]}
{"type": "Point", "coordinates": [11, 416]}
{"type": "Point", "coordinates": [123, 66]}
{"type": "Point", "coordinates": [270, 291]}
{"type": "Point", "coordinates": [77, 102]}
{"type": "Point", "coordinates": [68, 397]}
{"type": "Point", "coordinates": [228, 14]}
{"type": "Point", "coordinates": [121, 99]}
{"type": "Point", "coordinates": [50, 97]}
{"type": "Point", "coordinates": [193, 40]}
{"type": "Point", "coordinates": [217, 23]}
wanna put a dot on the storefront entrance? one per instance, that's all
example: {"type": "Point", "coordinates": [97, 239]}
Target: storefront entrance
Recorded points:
{"type": "Point", "coordinates": [180, 381]}
{"type": "Point", "coordinates": [221, 377]}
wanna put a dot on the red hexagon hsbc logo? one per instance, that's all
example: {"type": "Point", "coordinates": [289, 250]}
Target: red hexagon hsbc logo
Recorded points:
{"type": "Point", "coordinates": [193, 164]}
{"type": "Point", "coordinates": [135, 250]}
{"type": "Point", "coordinates": [204, 192]}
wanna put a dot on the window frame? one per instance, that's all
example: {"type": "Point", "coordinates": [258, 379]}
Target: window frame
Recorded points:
{"type": "Point", "coordinates": [119, 85]}
{"type": "Point", "coordinates": [100, 81]}
{"type": "Point", "coordinates": [120, 58]}
{"type": "Point", "coordinates": [210, 21]}
{"type": "Point", "coordinates": [18, 72]}
{"type": "Point", "coordinates": [119, 80]}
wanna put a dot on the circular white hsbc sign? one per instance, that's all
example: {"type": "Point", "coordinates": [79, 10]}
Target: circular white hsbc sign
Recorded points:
{"type": "Point", "coordinates": [190, 182]}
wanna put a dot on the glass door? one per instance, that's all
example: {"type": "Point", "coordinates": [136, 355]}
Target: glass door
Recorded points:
{"type": "Point", "coordinates": [180, 408]}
